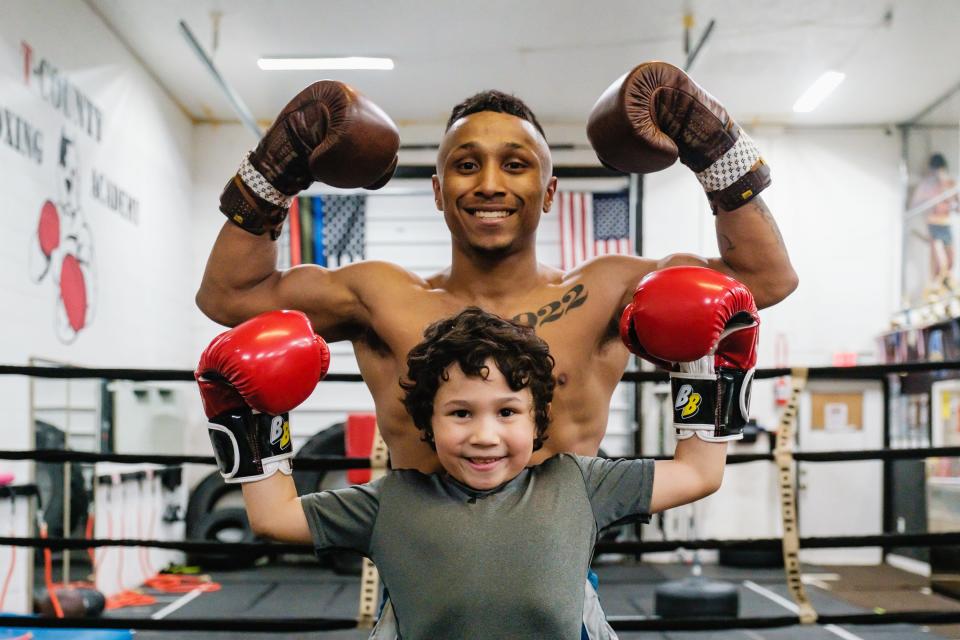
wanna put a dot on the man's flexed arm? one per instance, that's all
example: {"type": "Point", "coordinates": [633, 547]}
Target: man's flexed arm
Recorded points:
{"type": "Point", "coordinates": [241, 280]}
{"type": "Point", "coordinates": [328, 132]}
{"type": "Point", "coordinates": [751, 250]}
{"type": "Point", "coordinates": [654, 115]}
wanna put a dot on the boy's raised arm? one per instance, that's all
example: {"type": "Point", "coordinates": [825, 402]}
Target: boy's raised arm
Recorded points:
{"type": "Point", "coordinates": [250, 377]}
{"type": "Point", "coordinates": [702, 326]}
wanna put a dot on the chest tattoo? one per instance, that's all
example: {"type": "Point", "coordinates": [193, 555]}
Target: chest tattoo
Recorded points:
{"type": "Point", "coordinates": [553, 311]}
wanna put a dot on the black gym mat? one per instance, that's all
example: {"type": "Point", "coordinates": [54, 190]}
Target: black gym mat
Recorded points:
{"type": "Point", "coordinates": [307, 590]}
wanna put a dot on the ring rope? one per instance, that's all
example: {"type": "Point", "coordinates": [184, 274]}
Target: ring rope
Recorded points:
{"type": "Point", "coordinates": [884, 540]}
{"type": "Point", "coordinates": [339, 463]}
{"type": "Point", "coordinates": [369, 577]}
{"type": "Point", "coordinates": [618, 623]}
{"type": "Point", "coordinates": [783, 456]}
{"type": "Point", "coordinates": [860, 372]}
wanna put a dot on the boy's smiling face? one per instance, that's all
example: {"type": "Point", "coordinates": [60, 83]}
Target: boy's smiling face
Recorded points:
{"type": "Point", "coordinates": [483, 430]}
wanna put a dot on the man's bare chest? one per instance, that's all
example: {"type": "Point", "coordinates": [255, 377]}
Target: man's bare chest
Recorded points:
{"type": "Point", "coordinates": [578, 328]}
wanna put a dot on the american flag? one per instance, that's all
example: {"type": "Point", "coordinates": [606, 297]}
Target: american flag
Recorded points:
{"type": "Point", "coordinates": [593, 224]}
{"type": "Point", "coordinates": [328, 230]}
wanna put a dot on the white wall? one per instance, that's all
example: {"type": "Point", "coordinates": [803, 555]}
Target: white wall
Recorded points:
{"type": "Point", "coordinates": [136, 282]}
{"type": "Point", "coordinates": [135, 263]}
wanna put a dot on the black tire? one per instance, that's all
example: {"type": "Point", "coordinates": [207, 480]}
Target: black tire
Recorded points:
{"type": "Point", "coordinates": [204, 498]}
{"type": "Point", "coordinates": [330, 442]}
{"type": "Point", "coordinates": [224, 525]}
{"type": "Point", "coordinates": [696, 596]}
{"type": "Point", "coordinates": [49, 478]}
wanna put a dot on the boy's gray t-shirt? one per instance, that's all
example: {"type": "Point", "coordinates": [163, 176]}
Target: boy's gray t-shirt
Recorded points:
{"type": "Point", "coordinates": [462, 563]}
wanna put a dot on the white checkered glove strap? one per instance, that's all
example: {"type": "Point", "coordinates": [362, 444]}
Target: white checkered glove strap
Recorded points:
{"type": "Point", "coordinates": [259, 185]}
{"type": "Point", "coordinates": [731, 166]}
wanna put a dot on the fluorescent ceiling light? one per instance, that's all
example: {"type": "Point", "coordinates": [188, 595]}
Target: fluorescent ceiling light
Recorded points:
{"type": "Point", "coordinates": [820, 89]}
{"type": "Point", "coordinates": [309, 64]}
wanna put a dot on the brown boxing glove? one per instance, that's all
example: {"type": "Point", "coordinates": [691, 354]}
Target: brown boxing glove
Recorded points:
{"type": "Point", "coordinates": [656, 113]}
{"type": "Point", "coordinates": [328, 132]}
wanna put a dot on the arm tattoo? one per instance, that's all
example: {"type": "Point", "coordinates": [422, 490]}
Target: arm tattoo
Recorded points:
{"type": "Point", "coordinates": [768, 218]}
{"type": "Point", "coordinates": [553, 311]}
{"type": "Point", "coordinates": [726, 244]}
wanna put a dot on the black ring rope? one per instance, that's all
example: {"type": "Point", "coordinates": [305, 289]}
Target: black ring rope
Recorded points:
{"type": "Point", "coordinates": [313, 463]}
{"type": "Point", "coordinates": [885, 540]}
{"type": "Point", "coordinates": [619, 623]}
{"type": "Point", "coordinates": [860, 372]}
{"type": "Point", "coordinates": [338, 463]}
{"type": "Point", "coordinates": [137, 375]}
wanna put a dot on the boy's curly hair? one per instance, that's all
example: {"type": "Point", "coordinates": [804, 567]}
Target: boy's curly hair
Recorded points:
{"type": "Point", "coordinates": [469, 339]}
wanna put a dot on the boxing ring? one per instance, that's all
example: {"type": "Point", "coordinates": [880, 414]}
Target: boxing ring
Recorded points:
{"type": "Point", "coordinates": [802, 609]}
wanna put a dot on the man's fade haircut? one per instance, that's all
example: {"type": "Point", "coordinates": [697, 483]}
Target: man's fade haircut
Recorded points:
{"type": "Point", "coordinates": [497, 101]}
{"type": "Point", "coordinates": [469, 339]}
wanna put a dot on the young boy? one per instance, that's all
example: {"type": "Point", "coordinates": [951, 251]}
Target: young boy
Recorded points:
{"type": "Point", "coordinates": [490, 547]}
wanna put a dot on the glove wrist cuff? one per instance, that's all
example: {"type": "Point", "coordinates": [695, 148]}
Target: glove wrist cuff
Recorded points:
{"type": "Point", "coordinates": [243, 207]}
{"type": "Point", "coordinates": [260, 185]}
{"type": "Point", "coordinates": [737, 176]}
{"type": "Point", "coordinates": [745, 189]}
{"type": "Point", "coordinates": [250, 446]}
{"type": "Point", "coordinates": [715, 407]}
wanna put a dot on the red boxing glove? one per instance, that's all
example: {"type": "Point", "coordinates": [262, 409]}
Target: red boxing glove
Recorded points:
{"type": "Point", "coordinates": [250, 377]}
{"type": "Point", "coordinates": [702, 326]}
{"type": "Point", "coordinates": [656, 113]}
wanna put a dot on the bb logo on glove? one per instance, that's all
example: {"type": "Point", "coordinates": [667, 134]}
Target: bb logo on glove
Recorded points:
{"type": "Point", "coordinates": [279, 431]}
{"type": "Point", "coordinates": [689, 400]}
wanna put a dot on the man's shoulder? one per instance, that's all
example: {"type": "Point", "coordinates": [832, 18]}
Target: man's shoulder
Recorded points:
{"type": "Point", "coordinates": [385, 272]}
{"type": "Point", "coordinates": [622, 265]}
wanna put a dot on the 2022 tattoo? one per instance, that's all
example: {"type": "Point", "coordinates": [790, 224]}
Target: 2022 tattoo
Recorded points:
{"type": "Point", "coordinates": [553, 311]}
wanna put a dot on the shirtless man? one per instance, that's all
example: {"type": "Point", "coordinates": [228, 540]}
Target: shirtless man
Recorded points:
{"type": "Point", "coordinates": [494, 181]}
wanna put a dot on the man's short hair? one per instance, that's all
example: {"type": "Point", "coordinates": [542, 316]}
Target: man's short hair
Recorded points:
{"type": "Point", "coordinates": [937, 161]}
{"type": "Point", "coordinates": [498, 101]}
{"type": "Point", "coordinates": [469, 339]}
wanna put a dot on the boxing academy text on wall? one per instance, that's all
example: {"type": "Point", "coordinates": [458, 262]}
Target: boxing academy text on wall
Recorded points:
{"type": "Point", "coordinates": [21, 136]}
{"type": "Point", "coordinates": [77, 109]}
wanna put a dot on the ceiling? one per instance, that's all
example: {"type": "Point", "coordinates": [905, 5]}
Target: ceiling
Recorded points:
{"type": "Point", "coordinates": [900, 56]}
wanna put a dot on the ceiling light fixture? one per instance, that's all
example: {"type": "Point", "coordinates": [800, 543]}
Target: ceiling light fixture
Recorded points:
{"type": "Point", "coordinates": [818, 91]}
{"type": "Point", "coordinates": [312, 64]}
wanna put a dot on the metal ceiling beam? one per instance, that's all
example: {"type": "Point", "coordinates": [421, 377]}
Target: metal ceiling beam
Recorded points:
{"type": "Point", "coordinates": [696, 50]}
{"type": "Point", "coordinates": [933, 105]}
{"type": "Point", "coordinates": [232, 96]}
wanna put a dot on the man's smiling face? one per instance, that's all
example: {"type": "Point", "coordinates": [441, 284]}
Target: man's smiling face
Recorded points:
{"type": "Point", "coordinates": [494, 179]}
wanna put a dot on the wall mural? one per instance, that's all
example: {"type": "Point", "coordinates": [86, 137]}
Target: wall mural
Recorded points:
{"type": "Point", "coordinates": [61, 255]}
{"type": "Point", "coordinates": [61, 251]}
